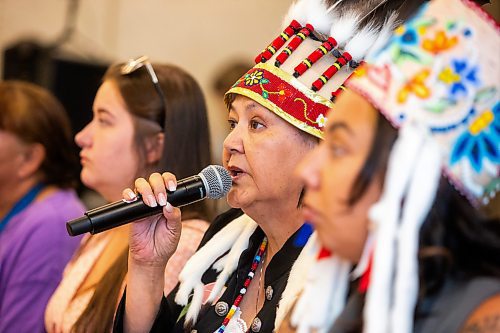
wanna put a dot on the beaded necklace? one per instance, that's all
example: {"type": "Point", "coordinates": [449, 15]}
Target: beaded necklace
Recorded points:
{"type": "Point", "coordinates": [237, 301]}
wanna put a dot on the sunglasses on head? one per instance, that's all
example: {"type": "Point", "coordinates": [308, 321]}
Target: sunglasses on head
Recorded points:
{"type": "Point", "coordinates": [134, 64]}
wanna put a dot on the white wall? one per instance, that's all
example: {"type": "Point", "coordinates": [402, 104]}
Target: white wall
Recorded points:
{"type": "Point", "coordinates": [194, 34]}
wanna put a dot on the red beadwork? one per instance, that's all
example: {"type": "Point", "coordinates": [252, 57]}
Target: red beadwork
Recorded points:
{"type": "Point", "coordinates": [315, 56]}
{"type": "Point", "coordinates": [337, 92]}
{"type": "Point", "coordinates": [290, 102]}
{"type": "Point", "coordinates": [278, 42]}
{"type": "Point", "coordinates": [327, 75]}
{"type": "Point", "coordinates": [342, 87]}
{"type": "Point", "coordinates": [292, 46]}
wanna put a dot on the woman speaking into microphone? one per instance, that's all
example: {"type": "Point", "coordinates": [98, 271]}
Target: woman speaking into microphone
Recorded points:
{"type": "Point", "coordinates": [276, 113]}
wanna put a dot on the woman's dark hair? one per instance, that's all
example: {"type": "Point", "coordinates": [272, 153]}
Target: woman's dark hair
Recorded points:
{"type": "Point", "coordinates": [376, 162]}
{"type": "Point", "coordinates": [456, 240]}
{"type": "Point", "coordinates": [186, 152]}
{"type": "Point", "coordinates": [185, 117]}
{"type": "Point", "coordinates": [34, 115]}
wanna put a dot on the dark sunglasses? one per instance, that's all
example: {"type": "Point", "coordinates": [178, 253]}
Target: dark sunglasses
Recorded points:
{"type": "Point", "coordinates": [134, 64]}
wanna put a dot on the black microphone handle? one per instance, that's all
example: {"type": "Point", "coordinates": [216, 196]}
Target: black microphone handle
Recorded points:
{"type": "Point", "coordinates": [118, 213]}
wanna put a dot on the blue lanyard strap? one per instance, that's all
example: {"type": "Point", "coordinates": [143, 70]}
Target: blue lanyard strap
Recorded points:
{"type": "Point", "coordinates": [21, 205]}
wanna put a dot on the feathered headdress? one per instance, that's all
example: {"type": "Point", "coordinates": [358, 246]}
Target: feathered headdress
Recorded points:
{"type": "Point", "coordinates": [437, 81]}
{"type": "Point", "coordinates": [297, 77]}
{"type": "Point", "coordinates": [301, 72]}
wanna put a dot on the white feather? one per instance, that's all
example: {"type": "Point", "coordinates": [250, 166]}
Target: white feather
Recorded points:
{"type": "Point", "coordinates": [343, 28]}
{"type": "Point", "coordinates": [318, 16]}
{"type": "Point", "coordinates": [388, 28]}
{"type": "Point", "coordinates": [359, 45]}
{"type": "Point", "coordinates": [371, 6]}
{"type": "Point", "coordinates": [221, 242]}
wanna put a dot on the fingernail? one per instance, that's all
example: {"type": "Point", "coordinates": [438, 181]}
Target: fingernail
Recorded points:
{"type": "Point", "coordinates": [162, 199]}
{"type": "Point", "coordinates": [171, 186]}
{"type": "Point", "coordinates": [131, 195]}
{"type": "Point", "coordinates": [152, 201]}
{"type": "Point", "coordinates": [169, 208]}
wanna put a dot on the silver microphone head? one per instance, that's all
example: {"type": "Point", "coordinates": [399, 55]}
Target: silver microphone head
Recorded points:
{"type": "Point", "coordinates": [217, 181]}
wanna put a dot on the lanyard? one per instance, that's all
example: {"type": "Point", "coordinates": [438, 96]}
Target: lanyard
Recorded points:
{"type": "Point", "coordinates": [21, 205]}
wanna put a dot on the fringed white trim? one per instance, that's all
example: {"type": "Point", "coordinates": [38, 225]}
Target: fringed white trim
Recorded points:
{"type": "Point", "coordinates": [202, 260]}
{"type": "Point", "coordinates": [297, 278]}
{"type": "Point", "coordinates": [385, 215]}
{"type": "Point", "coordinates": [231, 260]}
{"type": "Point", "coordinates": [196, 303]}
{"type": "Point", "coordinates": [418, 202]}
{"type": "Point", "coordinates": [323, 297]}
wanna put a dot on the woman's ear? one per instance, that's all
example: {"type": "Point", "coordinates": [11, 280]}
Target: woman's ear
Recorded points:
{"type": "Point", "coordinates": [33, 157]}
{"type": "Point", "coordinates": [154, 147]}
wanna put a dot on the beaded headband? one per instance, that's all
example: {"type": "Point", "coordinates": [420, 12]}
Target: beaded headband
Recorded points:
{"type": "Point", "coordinates": [441, 70]}
{"type": "Point", "coordinates": [437, 81]}
{"type": "Point", "coordinates": [301, 72]}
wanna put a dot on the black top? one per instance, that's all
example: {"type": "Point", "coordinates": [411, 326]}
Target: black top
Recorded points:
{"type": "Point", "coordinates": [450, 308]}
{"type": "Point", "coordinates": [209, 320]}
{"type": "Point", "coordinates": [443, 312]}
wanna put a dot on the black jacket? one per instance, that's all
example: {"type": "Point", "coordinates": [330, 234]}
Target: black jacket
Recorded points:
{"type": "Point", "coordinates": [209, 320]}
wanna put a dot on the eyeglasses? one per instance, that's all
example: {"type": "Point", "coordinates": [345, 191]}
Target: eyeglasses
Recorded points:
{"type": "Point", "coordinates": [134, 64]}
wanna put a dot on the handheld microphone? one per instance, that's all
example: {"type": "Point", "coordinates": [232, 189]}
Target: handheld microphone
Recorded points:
{"type": "Point", "coordinates": [213, 182]}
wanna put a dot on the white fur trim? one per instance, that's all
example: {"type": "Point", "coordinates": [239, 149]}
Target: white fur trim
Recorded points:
{"type": "Point", "coordinates": [322, 285]}
{"type": "Point", "coordinates": [196, 302]}
{"type": "Point", "coordinates": [202, 260]}
{"type": "Point", "coordinates": [232, 258]}
{"type": "Point", "coordinates": [323, 297]}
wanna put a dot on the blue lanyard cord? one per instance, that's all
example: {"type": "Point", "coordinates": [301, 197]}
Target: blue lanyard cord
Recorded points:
{"type": "Point", "coordinates": [21, 205]}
